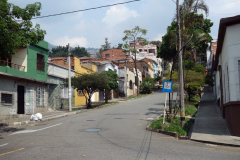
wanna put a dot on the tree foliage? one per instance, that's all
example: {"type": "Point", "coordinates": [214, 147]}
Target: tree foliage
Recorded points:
{"type": "Point", "coordinates": [16, 28]}
{"type": "Point", "coordinates": [89, 83]}
{"type": "Point", "coordinates": [191, 24]}
{"type": "Point", "coordinates": [62, 51]}
{"type": "Point", "coordinates": [112, 82]}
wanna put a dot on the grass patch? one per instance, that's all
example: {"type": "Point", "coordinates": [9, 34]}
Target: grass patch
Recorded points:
{"type": "Point", "coordinates": [94, 106]}
{"type": "Point", "coordinates": [77, 109]}
{"type": "Point", "coordinates": [172, 126]}
{"type": "Point", "coordinates": [139, 96]}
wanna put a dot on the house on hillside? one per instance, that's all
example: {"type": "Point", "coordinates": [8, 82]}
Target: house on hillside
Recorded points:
{"type": "Point", "coordinates": [227, 68]}
{"type": "Point", "coordinates": [148, 51]}
{"type": "Point", "coordinates": [24, 85]}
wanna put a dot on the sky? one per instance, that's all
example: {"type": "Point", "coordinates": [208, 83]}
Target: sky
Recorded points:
{"type": "Point", "coordinates": [90, 28]}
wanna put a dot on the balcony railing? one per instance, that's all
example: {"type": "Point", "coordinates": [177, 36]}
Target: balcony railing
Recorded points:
{"type": "Point", "coordinates": [12, 65]}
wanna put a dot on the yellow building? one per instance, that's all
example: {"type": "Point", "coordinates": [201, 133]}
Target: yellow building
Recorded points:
{"type": "Point", "coordinates": [83, 68]}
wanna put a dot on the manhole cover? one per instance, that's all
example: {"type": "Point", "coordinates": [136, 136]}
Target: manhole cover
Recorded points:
{"type": "Point", "coordinates": [92, 130]}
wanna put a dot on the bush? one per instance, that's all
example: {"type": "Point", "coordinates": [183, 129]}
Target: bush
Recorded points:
{"type": "Point", "coordinates": [209, 80]}
{"type": "Point", "coordinates": [149, 79]}
{"type": "Point", "coordinates": [146, 87]}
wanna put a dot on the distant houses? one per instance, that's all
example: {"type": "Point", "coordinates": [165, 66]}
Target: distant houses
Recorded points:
{"type": "Point", "coordinates": [32, 82]}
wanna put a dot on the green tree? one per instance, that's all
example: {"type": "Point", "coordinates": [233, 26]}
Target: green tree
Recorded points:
{"type": "Point", "coordinates": [61, 51]}
{"type": "Point", "coordinates": [112, 82]}
{"type": "Point", "coordinates": [89, 83]}
{"type": "Point", "coordinates": [16, 28]}
{"type": "Point", "coordinates": [134, 35]}
{"type": "Point", "coordinates": [80, 52]}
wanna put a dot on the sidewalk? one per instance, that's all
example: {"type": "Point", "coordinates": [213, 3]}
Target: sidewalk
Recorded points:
{"type": "Point", "coordinates": [209, 126]}
{"type": "Point", "coordinates": [49, 115]}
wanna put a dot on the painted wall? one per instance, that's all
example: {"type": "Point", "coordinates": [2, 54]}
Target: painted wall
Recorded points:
{"type": "Point", "coordinates": [33, 50]}
{"type": "Point", "coordinates": [229, 58]}
{"type": "Point", "coordinates": [20, 58]}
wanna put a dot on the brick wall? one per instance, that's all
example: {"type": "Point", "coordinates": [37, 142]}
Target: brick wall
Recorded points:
{"type": "Point", "coordinates": [112, 54]}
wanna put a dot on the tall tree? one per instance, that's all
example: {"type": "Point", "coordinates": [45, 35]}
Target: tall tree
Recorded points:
{"type": "Point", "coordinates": [16, 28]}
{"type": "Point", "coordinates": [134, 35]}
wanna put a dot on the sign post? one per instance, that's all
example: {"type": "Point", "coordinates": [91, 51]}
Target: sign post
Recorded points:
{"type": "Point", "coordinates": [167, 87]}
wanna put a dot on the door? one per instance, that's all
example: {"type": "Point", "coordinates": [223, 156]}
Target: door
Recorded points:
{"type": "Point", "coordinates": [20, 99]}
{"type": "Point", "coordinates": [101, 96]}
{"type": "Point", "coordinates": [29, 99]}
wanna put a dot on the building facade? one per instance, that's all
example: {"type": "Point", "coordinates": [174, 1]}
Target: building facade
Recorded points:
{"type": "Point", "coordinates": [24, 87]}
{"type": "Point", "coordinates": [227, 67]}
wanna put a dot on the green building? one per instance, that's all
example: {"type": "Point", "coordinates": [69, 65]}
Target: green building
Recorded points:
{"type": "Point", "coordinates": [24, 86]}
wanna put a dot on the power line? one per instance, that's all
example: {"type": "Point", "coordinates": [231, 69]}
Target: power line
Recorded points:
{"type": "Point", "coordinates": [83, 10]}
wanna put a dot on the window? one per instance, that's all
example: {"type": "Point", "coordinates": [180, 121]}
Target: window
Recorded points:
{"type": "Point", "coordinates": [131, 44]}
{"type": "Point", "coordinates": [140, 50]}
{"type": "Point", "coordinates": [40, 96]}
{"type": "Point", "coordinates": [151, 50]}
{"type": "Point", "coordinates": [130, 85]}
{"type": "Point", "coordinates": [145, 50]}
{"type": "Point", "coordinates": [107, 55]}
{"type": "Point", "coordinates": [40, 62]}
{"type": "Point", "coordinates": [64, 93]}
{"type": "Point", "coordinates": [80, 92]}
{"type": "Point", "coordinates": [6, 98]}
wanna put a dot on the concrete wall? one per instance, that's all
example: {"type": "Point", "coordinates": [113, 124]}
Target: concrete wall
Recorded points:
{"type": "Point", "coordinates": [59, 71]}
{"type": "Point", "coordinates": [7, 86]}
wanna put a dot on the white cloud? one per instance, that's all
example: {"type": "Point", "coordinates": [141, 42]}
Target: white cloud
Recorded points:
{"type": "Point", "coordinates": [63, 41]}
{"type": "Point", "coordinates": [159, 37]}
{"type": "Point", "coordinates": [81, 26]}
{"type": "Point", "coordinates": [118, 14]}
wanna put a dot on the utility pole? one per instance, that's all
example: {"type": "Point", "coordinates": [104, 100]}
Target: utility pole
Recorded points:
{"type": "Point", "coordinates": [182, 106]}
{"type": "Point", "coordinates": [126, 77]}
{"type": "Point", "coordinates": [69, 79]}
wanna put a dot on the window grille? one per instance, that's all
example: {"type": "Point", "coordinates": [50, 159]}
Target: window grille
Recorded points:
{"type": "Point", "coordinates": [6, 98]}
{"type": "Point", "coordinates": [40, 96]}
{"type": "Point", "coordinates": [64, 93]}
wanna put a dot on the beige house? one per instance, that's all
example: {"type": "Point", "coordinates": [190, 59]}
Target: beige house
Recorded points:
{"type": "Point", "coordinates": [127, 80]}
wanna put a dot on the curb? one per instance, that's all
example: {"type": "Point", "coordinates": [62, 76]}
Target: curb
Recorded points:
{"type": "Point", "coordinates": [216, 143]}
{"type": "Point", "coordinates": [23, 123]}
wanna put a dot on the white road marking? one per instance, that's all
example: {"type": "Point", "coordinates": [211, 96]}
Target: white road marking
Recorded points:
{"type": "Point", "coordinates": [31, 131]}
{"type": "Point", "coordinates": [3, 145]}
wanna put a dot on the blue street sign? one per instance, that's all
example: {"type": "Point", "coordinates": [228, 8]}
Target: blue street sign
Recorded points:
{"type": "Point", "coordinates": [167, 86]}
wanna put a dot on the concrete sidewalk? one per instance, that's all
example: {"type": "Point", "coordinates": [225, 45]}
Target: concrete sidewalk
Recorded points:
{"type": "Point", "coordinates": [49, 115]}
{"type": "Point", "coordinates": [209, 125]}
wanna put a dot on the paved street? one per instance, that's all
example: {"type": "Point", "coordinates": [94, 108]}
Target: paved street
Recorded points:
{"type": "Point", "coordinates": [122, 136]}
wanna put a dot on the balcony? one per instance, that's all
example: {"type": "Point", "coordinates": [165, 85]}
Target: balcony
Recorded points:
{"type": "Point", "coordinates": [8, 63]}
{"type": "Point", "coordinates": [145, 74]}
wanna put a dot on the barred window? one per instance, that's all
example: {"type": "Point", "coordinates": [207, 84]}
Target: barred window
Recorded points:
{"type": "Point", "coordinates": [64, 93]}
{"type": "Point", "coordinates": [6, 98]}
{"type": "Point", "coordinates": [40, 96]}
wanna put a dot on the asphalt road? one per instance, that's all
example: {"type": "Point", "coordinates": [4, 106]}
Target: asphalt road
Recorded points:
{"type": "Point", "coordinates": [122, 136]}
